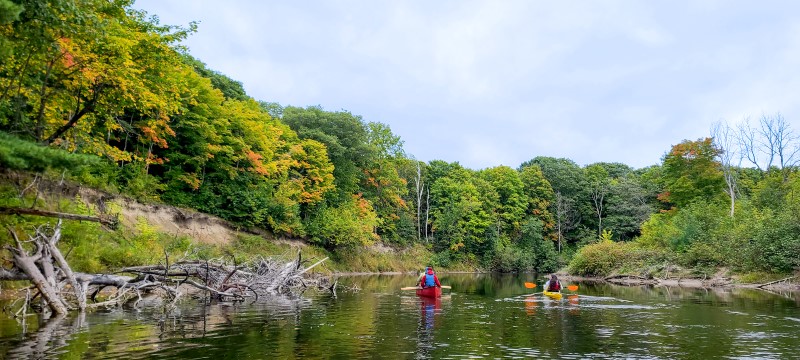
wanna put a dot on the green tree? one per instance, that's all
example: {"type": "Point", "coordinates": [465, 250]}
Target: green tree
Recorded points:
{"type": "Point", "coordinates": [385, 187]}
{"type": "Point", "coordinates": [459, 218]}
{"type": "Point", "coordinates": [628, 205]}
{"type": "Point", "coordinates": [539, 194]}
{"type": "Point", "coordinates": [9, 12]}
{"type": "Point", "coordinates": [563, 175]}
{"type": "Point", "coordinates": [542, 251]}
{"type": "Point", "coordinates": [571, 203]}
{"type": "Point", "coordinates": [346, 138]}
{"type": "Point", "coordinates": [230, 88]}
{"type": "Point", "coordinates": [691, 173]}
{"type": "Point", "coordinates": [512, 203]}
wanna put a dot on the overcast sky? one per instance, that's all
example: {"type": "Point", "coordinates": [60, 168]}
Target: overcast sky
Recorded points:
{"type": "Point", "coordinates": [489, 83]}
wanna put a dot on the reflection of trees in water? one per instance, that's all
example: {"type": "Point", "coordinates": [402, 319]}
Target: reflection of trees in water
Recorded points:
{"type": "Point", "coordinates": [130, 332]}
{"type": "Point", "coordinates": [54, 333]}
{"type": "Point", "coordinates": [199, 321]}
{"type": "Point", "coordinates": [426, 325]}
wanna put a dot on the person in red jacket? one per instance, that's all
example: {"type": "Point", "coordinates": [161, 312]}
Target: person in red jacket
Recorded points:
{"type": "Point", "coordinates": [429, 279]}
{"type": "Point", "coordinates": [553, 285]}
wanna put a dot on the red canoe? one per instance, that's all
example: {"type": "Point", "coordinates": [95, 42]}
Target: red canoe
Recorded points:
{"type": "Point", "coordinates": [431, 292]}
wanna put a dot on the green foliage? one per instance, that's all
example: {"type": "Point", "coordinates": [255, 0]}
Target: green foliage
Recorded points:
{"type": "Point", "coordinates": [599, 259]}
{"type": "Point", "coordinates": [628, 205]}
{"type": "Point", "coordinates": [775, 241]}
{"type": "Point", "coordinates": [17, 154]}
{"type": "Point", "coordinates": [138, 183]}
{"type": "Point", "coordinates": [346, 138]}
{"type": "Point", "coordinates": [442, 259]}
{"type": "Point", "coordinates": [247, 247]}
{"type": "Point", "coordinates": [232, 89]}
{"type": "Point", "coordinates": [658, 230]}
{"type": "Point", "coordinates": [691, 173]}
{"type": "Point", "coordinates": [532, 253]}
{"type": "Point", "coordinates": [606, 257]}
{"type": "Point", "coordinates": [511, 202]}
{"type": "Point", "coordinates": [509, 259]}
{"type": "Point", "coordinates": [543, 256]}
{"type": "Point", "coordinates": [9, 11]}
{"type": "Point", "coordinates": [539, 194]}
{"type": "Point", "coordinates": [461, 207]}
{"type": "Point", "coordinates": [701, 255]}
{"type": "Point", "coordinates": [349, 225]}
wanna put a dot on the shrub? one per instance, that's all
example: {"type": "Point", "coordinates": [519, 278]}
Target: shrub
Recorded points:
{"type": "Point", "coordinates": [606, 257]}
{"type": "Point", "coordinates": [350, 224]}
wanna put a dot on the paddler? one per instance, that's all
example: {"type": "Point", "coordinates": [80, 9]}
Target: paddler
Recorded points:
{"type": "Point", "coordinates": [429, 279]}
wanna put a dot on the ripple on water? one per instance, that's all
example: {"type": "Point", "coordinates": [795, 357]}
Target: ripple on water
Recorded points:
{"type": "Point", "coordinates": [736, 312]}
{"type": "Point", "coordinates": [611, 306]}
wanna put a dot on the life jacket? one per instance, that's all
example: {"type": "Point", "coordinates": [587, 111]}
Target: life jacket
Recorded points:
{"type": "Point", "coordinates": [429, 280]}
{"type": "Point", "coordinates": [554, 287]}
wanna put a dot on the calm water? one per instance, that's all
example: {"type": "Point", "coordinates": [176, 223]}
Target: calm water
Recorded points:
{"type": "Point", "coordinates": [485, 316]}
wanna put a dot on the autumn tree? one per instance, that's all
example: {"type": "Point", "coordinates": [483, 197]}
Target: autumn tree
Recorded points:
{"type": "Point", "coordinates": [539, 194]}
{"type": "Point", "coordinates": [89, 70]}
{"type": "Point", "coordinates": [691, 172]}
{"type": "Point", "coordinates": [346, 138]}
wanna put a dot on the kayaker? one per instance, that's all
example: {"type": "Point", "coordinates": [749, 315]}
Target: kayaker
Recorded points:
{"type": "Point", "coordinates": [553, 285]}
{"type": "Point", "coordinates": [429, 279]}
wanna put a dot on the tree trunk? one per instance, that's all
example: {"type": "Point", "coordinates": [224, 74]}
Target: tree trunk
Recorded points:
{"type": "Point", "coordinates": [5, 210]}
{"type": "Point", "coordinates": [88, 107]}
{"type": "Point", "coordinates": [28, 266]}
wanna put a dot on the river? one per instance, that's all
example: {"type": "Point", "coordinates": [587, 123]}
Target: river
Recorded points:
{"type": "Point", "coordinates": [484, 316]}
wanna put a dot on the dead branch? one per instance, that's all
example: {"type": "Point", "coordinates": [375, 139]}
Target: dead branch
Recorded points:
{"type": "Point", "coordinates": [111, 223]}
{"type": "Point", "coordinates": [777, 281]}
{"type": "Point", "coordinates": [40, 261]}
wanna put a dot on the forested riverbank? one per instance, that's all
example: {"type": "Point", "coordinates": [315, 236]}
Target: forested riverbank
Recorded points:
{"type": "Point", "coordinates": [103, 96]}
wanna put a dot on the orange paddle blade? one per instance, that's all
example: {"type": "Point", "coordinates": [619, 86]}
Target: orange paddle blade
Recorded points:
{"type": "Point", "coordinates": [572, 287]}
{"type": "Point", "coordinates": [530, 285]}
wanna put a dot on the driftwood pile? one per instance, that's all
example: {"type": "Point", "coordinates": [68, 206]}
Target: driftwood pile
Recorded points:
{"type": "Point", "coordinates": [39, 260]}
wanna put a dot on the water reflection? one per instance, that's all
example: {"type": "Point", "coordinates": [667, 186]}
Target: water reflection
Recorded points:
{"type": "Point", "coordinates": [485, 317]}
{"type": "Point", "coordinates": [52, 335]}
{"type": "Point", "coordinates": [429, 309]}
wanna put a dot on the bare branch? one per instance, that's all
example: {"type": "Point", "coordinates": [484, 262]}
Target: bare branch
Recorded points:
{"type": "Point", "coordinates": [5, 210]}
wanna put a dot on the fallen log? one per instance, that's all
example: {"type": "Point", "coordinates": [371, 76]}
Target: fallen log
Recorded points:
{"type": "Point", "coordinates": [760, 286]}
{"type": "Point", "coordinates": [39, 261]}
{"type": "Point", "coordinates": [107, 221]}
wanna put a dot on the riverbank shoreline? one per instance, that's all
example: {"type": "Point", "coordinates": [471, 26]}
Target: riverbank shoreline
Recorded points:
{"type": "Point", "coordinates": [786, 284]}
{"type": "Point", "coordinates": [717, 282]}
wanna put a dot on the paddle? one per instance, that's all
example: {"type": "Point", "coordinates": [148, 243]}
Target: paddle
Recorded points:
{"type": "Point", "coordinates": [530, 285]}
{"type": "Point", "coordinates": [415, 287]}
{"type": "Point", "coordinates": [572, 287]}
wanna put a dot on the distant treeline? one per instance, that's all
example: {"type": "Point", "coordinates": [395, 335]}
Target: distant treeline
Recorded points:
{"type": "Point", "coordinates": [101, 78]}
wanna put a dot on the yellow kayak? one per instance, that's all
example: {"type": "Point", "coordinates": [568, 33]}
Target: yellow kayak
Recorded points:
{"type": "Point", "coordinates": [553, 295]}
